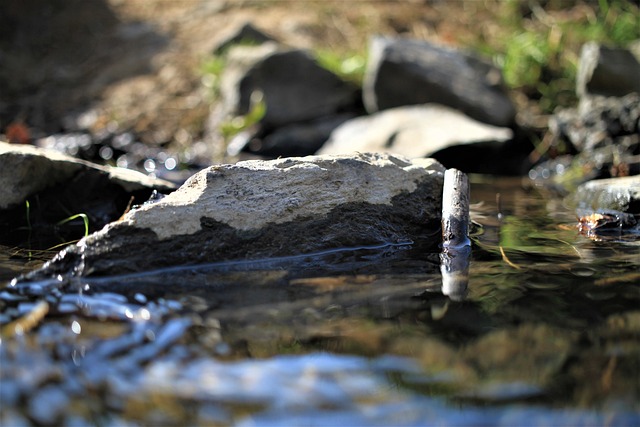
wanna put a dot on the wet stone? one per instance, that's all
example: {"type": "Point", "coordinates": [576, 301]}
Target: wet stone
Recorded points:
{"type": "Point", "coordinates": [267, 209]}
{"type": "Point", "coordinates": [47, 198]}
{"type": "Point", "coordinates": [620, 194]}
{"type": "Point", "coordinates": [26, 170]}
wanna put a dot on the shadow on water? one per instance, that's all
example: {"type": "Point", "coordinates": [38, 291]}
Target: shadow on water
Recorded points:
{"type": "Point", "coordinates": [547, 332]}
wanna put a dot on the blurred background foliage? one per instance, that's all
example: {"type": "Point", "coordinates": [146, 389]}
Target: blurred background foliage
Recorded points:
{"type": "Point", "coordinates": [148, 66]}
{"type": "Point", "coordinates": [537, 44]}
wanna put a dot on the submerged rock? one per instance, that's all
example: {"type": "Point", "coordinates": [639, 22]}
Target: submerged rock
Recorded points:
{"type": "Point", "coordinates": [521, 360]}
{"type": "Point", "coordinates": [259, 209]}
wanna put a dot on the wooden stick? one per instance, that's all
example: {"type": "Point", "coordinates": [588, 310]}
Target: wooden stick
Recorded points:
{"type": "Point", "coordinates": [455, 209]}
{"type": "Point", "coordinates": [456, 246]}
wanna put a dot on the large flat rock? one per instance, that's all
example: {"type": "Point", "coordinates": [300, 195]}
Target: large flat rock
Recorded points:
{"type": "Point", "coordinates": [257, 209]}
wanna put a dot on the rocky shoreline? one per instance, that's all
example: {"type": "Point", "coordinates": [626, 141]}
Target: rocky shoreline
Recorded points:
{"type": "Point", "coordinates": [418, 100]}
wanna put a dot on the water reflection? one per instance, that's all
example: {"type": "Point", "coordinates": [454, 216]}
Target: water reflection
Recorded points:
{"type": "Point", "coordinates": [454, 266]}
{"type": "Point", "coordinates": [544, 330]}
{"type": "Point", "coordinates": [456, 246]}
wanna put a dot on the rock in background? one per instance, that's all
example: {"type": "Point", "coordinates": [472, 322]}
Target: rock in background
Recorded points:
{"type": "Point", "coordinates": [601, 176]}
{"type": "Point", "coordinates": [451, 100]}
{"type": "Point", "coordinates": [297, 139]}
{"type": "Point", "coordinates": [59, 186]}
{"type": "Point", "coordinates": [408, 72]}
{"type": "Point", "coordinates": [599, 122]}
{"type": "Point", "coordinates": [292, 85]}
{"type": "Point", "coordinates": [246, 33]}
{"type": "Point", "coordinates": [301, 99]}
{"type": "Point", "coordinates": [608, 71]}
{"type": "Point", "coordinates": [412, 131]}
{"type": "Point", "coordinates": [261, 209]}
{"type": "Point", "coordinates": [602, 133]}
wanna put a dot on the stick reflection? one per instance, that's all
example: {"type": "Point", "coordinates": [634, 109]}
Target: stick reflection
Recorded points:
{"type": "Point", "coordinates": [454, 266]}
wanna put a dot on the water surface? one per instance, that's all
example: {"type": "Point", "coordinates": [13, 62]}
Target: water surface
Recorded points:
{"type": "Point", "coordinates": [547, 333]}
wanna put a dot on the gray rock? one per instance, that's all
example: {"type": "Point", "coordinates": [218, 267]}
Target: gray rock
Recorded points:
{"type": "Point", "coordinates": [618, 194]}
{"type": "Point", "coordinates": [293, 86]}
{"type": "Point", "coordinates": [414, 131]}
{"type": "Point", "coordinates": [407, 72]}
{"type": "Point", "coordinates": [245, 33]}
{"type": "Point", "coordinates": [598, 122]}
{"type": "Point", "coordinates": [26, 170]}
{"type": "Point", "coordinates": [605, 131]}
{"type": "Point", "coordinates": [258, 209]}
{"type": "Point", "coordinates": [607, 71]}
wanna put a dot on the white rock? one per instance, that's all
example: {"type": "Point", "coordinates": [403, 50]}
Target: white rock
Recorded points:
{"type": "Point", "coordinates": [414, 131]}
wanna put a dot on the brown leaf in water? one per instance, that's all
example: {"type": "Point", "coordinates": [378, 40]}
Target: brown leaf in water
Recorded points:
{"type": "Point", "coordinates": [588, 224]}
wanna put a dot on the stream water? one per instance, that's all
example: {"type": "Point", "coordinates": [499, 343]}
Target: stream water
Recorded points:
{"type": "Point", "coordinates": [546, 334]}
